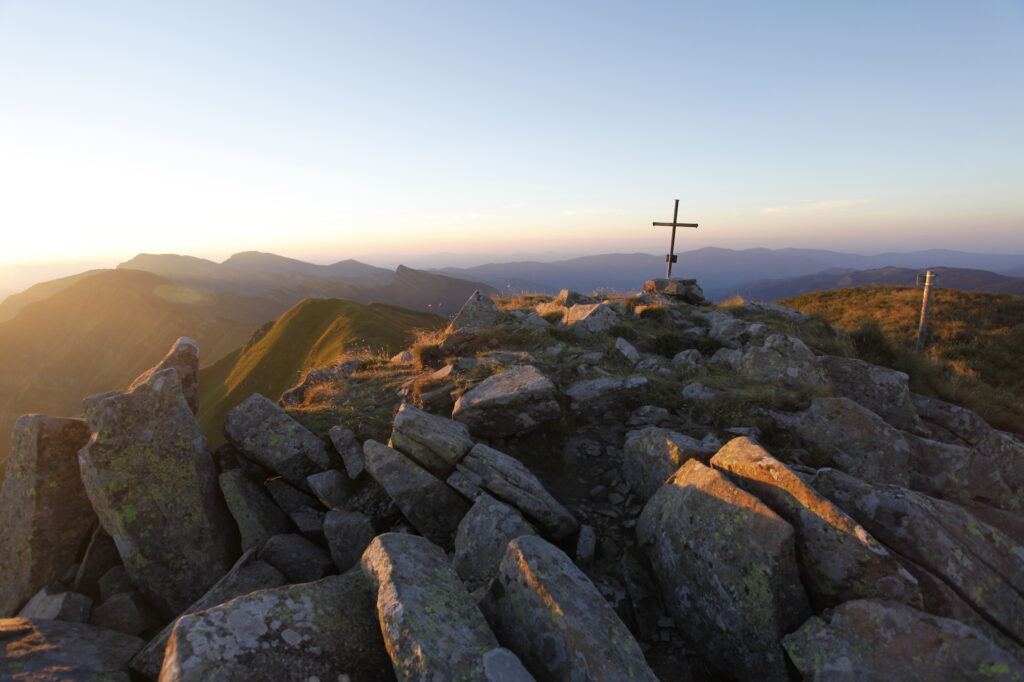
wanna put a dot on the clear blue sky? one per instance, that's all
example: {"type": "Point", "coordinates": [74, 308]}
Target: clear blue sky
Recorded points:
{"type": "Point", "coordinates": [325, 130]}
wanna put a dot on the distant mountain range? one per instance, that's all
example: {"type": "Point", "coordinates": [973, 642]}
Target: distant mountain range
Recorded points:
{"type": "Point", "coordinates": [721, 272]}
{"type": "Point", "coordinates": [948, 278]}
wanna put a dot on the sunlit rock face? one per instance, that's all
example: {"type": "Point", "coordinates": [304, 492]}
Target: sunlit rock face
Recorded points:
{"type": "Point", "coordinates": [45, 515]}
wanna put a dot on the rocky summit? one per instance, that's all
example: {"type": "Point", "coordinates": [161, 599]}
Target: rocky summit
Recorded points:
{"type": "Point", "coordinates": [564, 487]}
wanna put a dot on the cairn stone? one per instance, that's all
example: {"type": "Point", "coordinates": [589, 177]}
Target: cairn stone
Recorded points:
{"type": "Point", "coordinates": [45, 515]}
{"type": "Point", "coordinates": [510, 403]}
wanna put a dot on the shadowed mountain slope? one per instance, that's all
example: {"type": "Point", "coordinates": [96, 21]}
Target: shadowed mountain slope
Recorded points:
{"type": "Point", "coordinates": [312, 334]}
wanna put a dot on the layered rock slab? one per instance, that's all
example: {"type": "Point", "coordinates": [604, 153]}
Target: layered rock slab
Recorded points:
{"type": "Point", "coordinates": [153, 485]}
{"type": "Point", "coordinates": [653, 454]}
{"type": "Point", "coordinates": [841, 560]}
{"type": "Point", "coordinates": [45, 515]}
{"type": "Point", "coordinates": [884, 391]}
{"type": "Point", "coordinates": [256, 515]}
{"type": "Point", "coordinates": [324, 629]}
{"type": "Point", "coordinates": [480, 542]}
{"type": "Point", "coordinates": [878, 640]}
{"type": "Point", "coordinates": [429, 504]}
{"type": "Point", "coordinates": [548, 611]}
{"type": "Point", "coordinates": [266, 434]}
{"type": "Point", "coordinates": [435, 443]}
{"type": "Point", "coordinates": [432, 628]}
{"type": "Point", "coordinates": [727, 568]}
{"type": "Point", "coordinates": [982, 564]}
{"type": "Point", "coordinates": [184, 358]}
{"type": "Point", "coordinates": [512, 402]}
{"type": "Point", "coordinates": [56, 650]}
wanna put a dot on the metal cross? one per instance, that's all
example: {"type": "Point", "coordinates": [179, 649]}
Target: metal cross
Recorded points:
{"type": "Point", "coordinates": [671, 257]}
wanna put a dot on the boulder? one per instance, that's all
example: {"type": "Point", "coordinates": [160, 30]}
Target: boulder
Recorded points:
{"type": "Point", "coordinates": [435, 443]}
{"type": "Point", "coordinates": [568, 298]}
{"type": "Point", "coordinates": [884, 391]}
{"type": "Point", "coordinates": [508, 480]}
{"type": "Point", "coordinates": [586, 545]}
{"type": "Point", "coordinates": [981, 563]}
{"type": "Point", "coordinates": [780, 359]}
{"type": "Point", "coordinates": [297, 558]}
{"type": "Point", "coordinates": [690, 361]}
{"type": "Point", "coordinates": [100, 556]}
{"type": "Point", "coordinates": [480, 542]}
{"type": "Point", "coordinates": [430, 505]}
{"type": "Point", "coordinates": [183, 357]}
{"type": "Point", "coordinates": [124, 612]}
{"type": "Point", "coordinates": [332, 488]}
{"type": "Point", "coordinates": [249, 574]}
{"type": "Point", "coordinates": [297, 394]}
{"type": "Point", "coordinates": [548, 611]}
{"type": "Point", "coordinates": [628, 351]}
{"type": "Point", "coordinates": [257, 516]}
{"type": "Point", "coordinates": [405, 357]}
{"type": "Point", "coordinates": [593, 318]}
{"type": "Point", "coordinates": [69, 606]}
{"type": "Point", "coordinates": [840, 560]}
{"type": "Point", "coordinates": [145, 464]}
{"type": "Point", "coordinates": [599, 394]}
{"type": "Point", "coordinates": [319, 630]}
{"type": "Point", "coordinates": [57, 650]}
{"type": "Point", "coordinates": [263, 432]}
{"type": "Point", "coordinates": [432, 628]}
{"type": "Point", "coordinates": [348, 534]}
{"type": "Point", "coordinates": [510, 403]}
{"type": "Point", "coordinates": [45, 515]}
{"type": "Point", "coordinates": [348, 447]}
{"type": "Point", "coordinates": [653, 454]}
{"type": "Point", "coordinates": [114, 581]}
{"type": "Point", "coordinates": [682, 290]}
{"type": "Point", "coordinates": [478, 311]}
{"type": "Point", "coordinates": [870, 639]}
{"type": "Point", "coordinates": [733, 332]}
{"type": "Point", "coordinates": [727, 568]}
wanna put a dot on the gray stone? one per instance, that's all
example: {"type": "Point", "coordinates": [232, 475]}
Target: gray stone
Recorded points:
{"type": "Point", "coordinates": [429, 505]}
{"type": "Point", "coordinates": [147, 462]}
{"type": "Point", "coordinates": [439, 400]}
{"type": "Point", "coordinates": [690, 361]}
{"type": "Point", "coordinates": [348, 534]}
{"type": "Point", "coordinates": [597, 394]}
{"type": "Point", "coordinates": [733, 332]}
{"type": "Point", "coordinates": [649, 415]}
{"type": "Point", "coordinates": [257, 516]}
{"type": "Point", "coordinates": [69, 606]}
{"type": "Point", "coordinates": [249, 574]}
{"type": "Point", "coordinates": [100, 556]}
{"type": "Point", "coordinates": [319, 630]}
{"type": "Point", "coordinates": [297, 558]}
{"type": "Point", "coordinates": [535, 320]}
{"type": "Point", "coordinates": [296, 395]}
{"type": "Point", "coordinates": [183, 357]}
{"type": "Point", "coordinates": [124, 612]}
{"type": "Point", "coordinates": [508, 480]}
{"type": "Point", "coordinates": [586, 545]}
{"type": "Point", "coordinates": [548, 611]}
{"type": "Point", "coordinates": [653, 454]}
{"type": "Point", "coordinates": [405, 357]}
{"type": "Point", "coordinates": [697, 391]}
{"type": "Point", "coordinates": [432, 628]}
{"type": "Point", "coordinates": [348, 447]}
{"type": "Point", "coordinates": [780, 359]}
{"type": "Point", "coordinates": [478, 311]}
{"type": "Point", "coordinates": [501, 665]}
{"type": "Point", "coordinates": [727, 568]}
{"type": "Point", "coordinates": [45, 515]}
{"type": "Point", "coordinates": [46, 650]}
{"type": "Point", "coordinates": [568, 298]}
{"type": "Point", "coordinates": [841, 561]}
{"type": "Point", "coordinates": [509, 403]}
{"type": "Point", "coordinates": [884, 391]}
{"type": "Point", "coordinates": [114, 581]}
{"type": "Point", "coordinates": [594, 318]}
{"type": "Point", "coordinates": [435, 443]}
{"type": "Point", "coordinates": [480, 542]}
{"type": "Point", "coordinates": [876, 640]}
{"type": "Point", "coordinates": [627, 350]}
{"type": "Point", "coordinates": [981, 563]}
{"type": "Point", "coordinates": [788, 313]}
{"type": "Point", "coordinates": [266, 434]}
{"type": "Point", "coordinates": [331, 487]}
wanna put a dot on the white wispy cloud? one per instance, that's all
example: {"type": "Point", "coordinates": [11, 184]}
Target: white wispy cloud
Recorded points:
{"type": "Point", "coordinates": [807, 207]}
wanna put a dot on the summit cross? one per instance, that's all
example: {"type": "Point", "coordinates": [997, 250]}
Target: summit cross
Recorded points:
{"type": "Point", "coordinates": [671, 257]}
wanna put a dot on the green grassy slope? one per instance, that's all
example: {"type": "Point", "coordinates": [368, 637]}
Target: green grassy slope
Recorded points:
{"type": "Point", "coordinates": [974, 342]}
{"type": "Point", "coordinates": [312, 334]}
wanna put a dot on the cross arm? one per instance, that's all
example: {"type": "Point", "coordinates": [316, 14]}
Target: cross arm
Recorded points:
{"type": "Point", "coordinates": [674, 224]}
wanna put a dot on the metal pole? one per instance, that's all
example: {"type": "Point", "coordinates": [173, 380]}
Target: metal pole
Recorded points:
{"type": "Point", "coordinates": [672, 244]}
{"type": "Point", "coordinates": [922, 327]}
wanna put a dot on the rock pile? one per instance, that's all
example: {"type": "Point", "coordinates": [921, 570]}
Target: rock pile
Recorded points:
{"type": "Point", "coordinates": [579, 507]}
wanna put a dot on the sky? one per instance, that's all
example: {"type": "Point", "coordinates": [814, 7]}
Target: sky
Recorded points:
{"type": "Point", "coordinates": [384, 130]}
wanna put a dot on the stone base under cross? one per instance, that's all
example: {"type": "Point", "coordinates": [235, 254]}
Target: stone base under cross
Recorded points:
{"type": "Point", "coordinates": [684, 290]}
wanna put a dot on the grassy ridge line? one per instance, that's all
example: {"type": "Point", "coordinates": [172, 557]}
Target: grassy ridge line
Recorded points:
{"type": "Point", "coordinates": [310, 335]}
{"type": "Point", "coordinates": [974, 342]}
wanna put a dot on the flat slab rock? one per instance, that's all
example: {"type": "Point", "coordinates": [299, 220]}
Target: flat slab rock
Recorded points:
{"type": "Point", "coordinates": [56, 650]}
{"type": "Point", "coordinates": [433, 630]}
{"type": "Point", "coordinates": [183, 357]}
{"type": "Point", "coordinates": [550, 613]}
{"type": "Point", "coordinates": [877, 640]}
{"type": "Point", "coordinates": [727, 568]}
{"type": "Point", "coordinates": [478, 311]}
{"type": "Point", "coordinates": [841, 561]}
{"type": "Point", "coordinates": [324, 629]}
{"type": "Point", "coordinates": [45, 515]}
{"type": "Point", "coordinates": [653, 454]}
{"type": "Point", "coordinates": [435, 443]}
{"type": "Point", "coordinates": [480, 542]}
{"type": "Point", "coordinates": [512, 402]}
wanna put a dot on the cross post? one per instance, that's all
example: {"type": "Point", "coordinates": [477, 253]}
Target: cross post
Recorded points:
{"type": "Point", "coordinates": [671, 257]}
